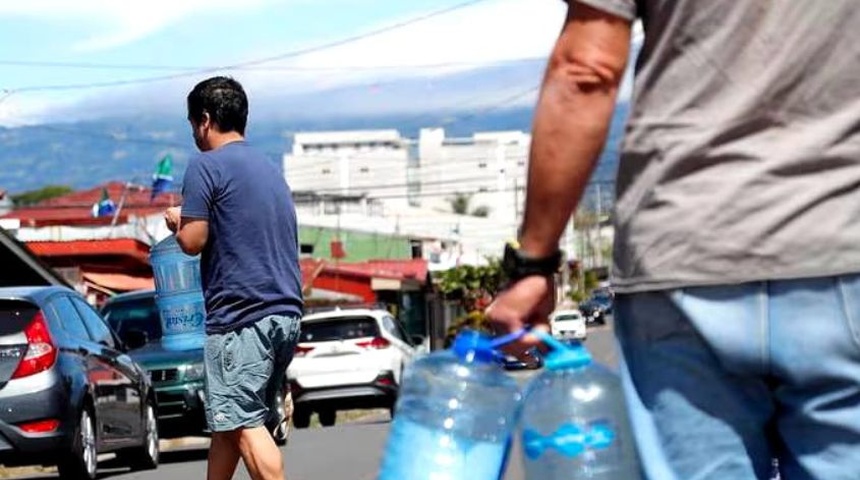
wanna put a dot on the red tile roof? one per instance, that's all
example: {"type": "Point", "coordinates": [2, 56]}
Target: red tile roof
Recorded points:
{"type": "Point", "coordinates": [116, 246]}
{"type": "Point", "coordinates": [120, 282]}
{"type": "Point", "coordinates": [75, 209]}
{"type": "Point", "coordinates": [393, 269]}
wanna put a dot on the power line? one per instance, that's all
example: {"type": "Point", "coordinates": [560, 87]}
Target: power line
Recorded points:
{"type": "Point", "coordinates": [249, 63]}
{"type": "Point", "coordinates": [289, 68]}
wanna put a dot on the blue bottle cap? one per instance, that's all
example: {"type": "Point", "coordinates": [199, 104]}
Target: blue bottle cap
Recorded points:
{"type": "Point", "coordinates": [564, 356]}
{"type": "Point", "coordinates": [473, 346]}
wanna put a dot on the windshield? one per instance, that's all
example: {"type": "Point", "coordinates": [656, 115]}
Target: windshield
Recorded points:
{"type": "Point", "coordinates": [568, 318]}
{"type": "Point", "coordinates": [139, 314]}
{"type": "Point", "coordinates": [339, 329]}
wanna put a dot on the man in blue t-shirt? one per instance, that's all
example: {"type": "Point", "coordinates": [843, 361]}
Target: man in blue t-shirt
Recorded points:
{"type": "Point", "coordinates": [237, 211]}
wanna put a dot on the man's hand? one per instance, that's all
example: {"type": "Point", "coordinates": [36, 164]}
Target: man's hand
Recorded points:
{"type": "Point", "coordinates": [528, 301]}
{"type": "Point", "coordinates": [172, 217]}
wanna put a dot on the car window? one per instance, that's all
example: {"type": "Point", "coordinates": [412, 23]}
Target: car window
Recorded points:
{"type": "Point", "coordinates": [99, 331]}
{"type": "Point", "coordinates": [340, 328]}
{"type": "Point", "coordinates": [390, 324]}
{"type": "Point", "coordinates": [568, 317]}
{"type": "Point", "coordinates": [138, 314]}
{"type": "Point", "coordinates": [69, 318]}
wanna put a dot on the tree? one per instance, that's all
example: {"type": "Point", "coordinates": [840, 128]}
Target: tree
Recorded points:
{"type": "Point", "coordinates": [460, 203]}
{"type": "Point", "coordinates": [33, 197]}
{"type": "Point", "coordinates": [483, 211]}
{"type": "Point", "coordinates": [474, 288]}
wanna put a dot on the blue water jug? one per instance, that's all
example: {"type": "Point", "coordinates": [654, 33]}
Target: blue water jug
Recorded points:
{"type": "Point", "coordinates": [179, 296]}
{"type": "Point", "coordinates": [456, 414]}
{"type": "Point", "coordinates": [574, 422]}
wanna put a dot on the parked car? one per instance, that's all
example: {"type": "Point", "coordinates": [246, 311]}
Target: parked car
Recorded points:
{"type": "Point", "coordinates": [348, 359]}
{"type": "Point", "coordinates": [568, 325]}
{"type": "Point", "coordinates": [68, 390]}
{"type": "Point", "coordinates": [528, 360]}
{"type": "Point", "coordinates": [594, 313]}
{"type": "Point", "coordinates": [177, 376]}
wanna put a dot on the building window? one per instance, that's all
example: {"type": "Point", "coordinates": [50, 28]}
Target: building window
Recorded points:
{"type": "Point", "coordinates": [483, 190]}
{"type": "Point", "coordinates": [482, 164]}
{"type": "Point", "coordinates": [364, 170]}
{"type": "Point", "coordinates": [326, 171]}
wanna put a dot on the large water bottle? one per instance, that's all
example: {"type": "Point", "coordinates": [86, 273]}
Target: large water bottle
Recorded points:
{"type": "Point", "coordinates": [179, 296]}
{"type": "Point", "coordinates": [574, 423]}
{"type": "Point", "coordinates": [456, 414]}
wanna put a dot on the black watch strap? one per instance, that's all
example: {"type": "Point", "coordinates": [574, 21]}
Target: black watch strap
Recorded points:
{"type": "Point", "coordinates": [516, 265]}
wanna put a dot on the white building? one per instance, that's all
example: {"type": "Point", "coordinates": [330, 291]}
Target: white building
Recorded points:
{"type": "Point", "coordinates": [354, 163]}
{"type": "Point", "coordinates": [488, 167]}
{"type": "Point", "coordinates": [383, 166]}
{"type": "Point", "coordinates": [378, 180]}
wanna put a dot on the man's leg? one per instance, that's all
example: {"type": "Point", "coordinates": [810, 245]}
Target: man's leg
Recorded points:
{"type": "Point", "coordinates": [239, 368]}
{"type": "Point", "coordinates": [815, 339]}
{"type": "Point", "coordinates": [261, 456]}
{"type": "Point", "coordinates": [694, 360]}
{"type": "Point", "coordinates": [223, 456]}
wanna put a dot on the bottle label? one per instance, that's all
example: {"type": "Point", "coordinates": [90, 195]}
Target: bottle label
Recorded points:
{"type": "Point", "coordinates": [570, 439]}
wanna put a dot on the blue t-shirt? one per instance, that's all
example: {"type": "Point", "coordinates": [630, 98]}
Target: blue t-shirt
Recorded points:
{"type": "Point", "coordinates": [250, 264]}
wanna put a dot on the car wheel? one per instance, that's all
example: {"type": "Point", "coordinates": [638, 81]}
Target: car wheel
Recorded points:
{"type": "Point", "coordinates": [301, 417]}
{"type": "Point", "coordinates": [81, 462]}
{"type": "Point", "coordinates": [328, 418]}
{"type": "Point", "coordinates": [147, 455]}
{"type": "Point", "coordinates": [281, 428]}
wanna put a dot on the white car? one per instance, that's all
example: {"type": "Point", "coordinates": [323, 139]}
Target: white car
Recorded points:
{"type": "Point", "coordinates": [347, 359]}
{"type": "Point", "coordinates": [568, 324]}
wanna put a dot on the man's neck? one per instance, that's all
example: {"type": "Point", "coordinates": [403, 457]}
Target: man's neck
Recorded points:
{"type": "Point", "coordinates": [218, 140]}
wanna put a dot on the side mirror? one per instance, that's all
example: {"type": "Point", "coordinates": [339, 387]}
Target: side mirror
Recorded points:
{"type": "Point", "coordinates": [416, 339]}
{"type": "Point", "coordinates": [135, 339]}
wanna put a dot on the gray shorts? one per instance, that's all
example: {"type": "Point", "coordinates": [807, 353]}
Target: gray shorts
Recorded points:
{"type": "Point", "coordinates": [244, 371]}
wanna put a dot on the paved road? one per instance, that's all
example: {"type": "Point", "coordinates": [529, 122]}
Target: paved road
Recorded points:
{"type": "Point", "coordinates": [343, 452]}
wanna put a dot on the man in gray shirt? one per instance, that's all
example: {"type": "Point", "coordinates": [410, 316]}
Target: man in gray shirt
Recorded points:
{"type": "Point", "coordinates": [737, 224]}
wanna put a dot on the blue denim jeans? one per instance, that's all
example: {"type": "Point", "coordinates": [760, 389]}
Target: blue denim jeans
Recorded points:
{"type": "Point", "coordinates": [720, 380]}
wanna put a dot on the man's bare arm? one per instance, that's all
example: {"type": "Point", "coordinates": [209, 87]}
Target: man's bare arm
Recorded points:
{"type": "Point", "coordinates": [572, 119]}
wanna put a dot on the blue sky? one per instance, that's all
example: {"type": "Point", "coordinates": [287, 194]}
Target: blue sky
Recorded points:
{"type": "Point", "coordinates": [222, 32]}
{"type": "Point", "coordinates": [199, 33]}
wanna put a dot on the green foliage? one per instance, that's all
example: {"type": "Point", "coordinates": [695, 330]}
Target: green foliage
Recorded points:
{"type": "Point", "coordinates": [460, 203]}
{"type": "Point", "coordinates": [474, 288]}
{"type": "Point", "coordinates": [33, 197]}
{"type": "Point", "coordinates": [483, 211]}
{"type": "Point", "coordinates": [472, 285]}
{"type": "Point", "coordinates": [474, 320]}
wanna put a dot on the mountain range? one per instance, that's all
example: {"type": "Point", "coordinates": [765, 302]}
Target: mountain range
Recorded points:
{"type": "Point", "coordinates": [122, 136]}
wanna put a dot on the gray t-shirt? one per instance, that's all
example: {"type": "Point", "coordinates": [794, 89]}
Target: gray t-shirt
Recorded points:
{"type": "Point", "coordinates": [741, 159]}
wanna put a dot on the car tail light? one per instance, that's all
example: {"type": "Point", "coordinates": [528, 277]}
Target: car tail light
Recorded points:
{"type": "Point", "coordinates": [41, 426]}
{"type": "Point", "coordinates": [385, 378]}
{"type": "Point", "coordinates": [378, 343]}
{"type": "Point", "coordinates": [301, 350]}
{"type": "Point", "coordinates": [41, 352]}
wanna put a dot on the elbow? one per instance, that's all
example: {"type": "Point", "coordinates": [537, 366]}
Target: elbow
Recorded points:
{"type": "Point", "coordinates": [587, 71]}
{"type": "Point", "coordinates": [188, 246]}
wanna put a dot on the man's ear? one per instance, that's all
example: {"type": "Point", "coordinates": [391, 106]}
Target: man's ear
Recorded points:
{"type": "Point", "coordinates": [205, 120]}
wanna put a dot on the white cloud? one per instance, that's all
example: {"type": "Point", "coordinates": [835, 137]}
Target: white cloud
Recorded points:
{"type": "Point", "coordinates": [466, 39]}
{"type": "Point", "coordinates": [495, 31]}
{"type": "Point", "coordinates": [119, 22]}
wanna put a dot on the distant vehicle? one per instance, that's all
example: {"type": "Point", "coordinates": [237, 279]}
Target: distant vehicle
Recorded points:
{"type": "Point", "coordinates": [177, 376]}
{"type": "Point", "coordinates": [68, 390]}
{"type": "Point", "coordinates": [528, 360]}
{"type": "Point", "coordinates": [594, 313]}
{"type": "Point", "coordinates": [348, 359]}
{"type": "Point", "coordinates": [568, 324]}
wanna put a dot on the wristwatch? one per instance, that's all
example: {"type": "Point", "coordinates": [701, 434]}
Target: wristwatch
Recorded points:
{"type": "Point", "coordinates": [517, 265]}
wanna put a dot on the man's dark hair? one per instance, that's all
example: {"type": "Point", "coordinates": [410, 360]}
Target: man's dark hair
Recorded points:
{"type": "Point", "coordinates": [224, 100]}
